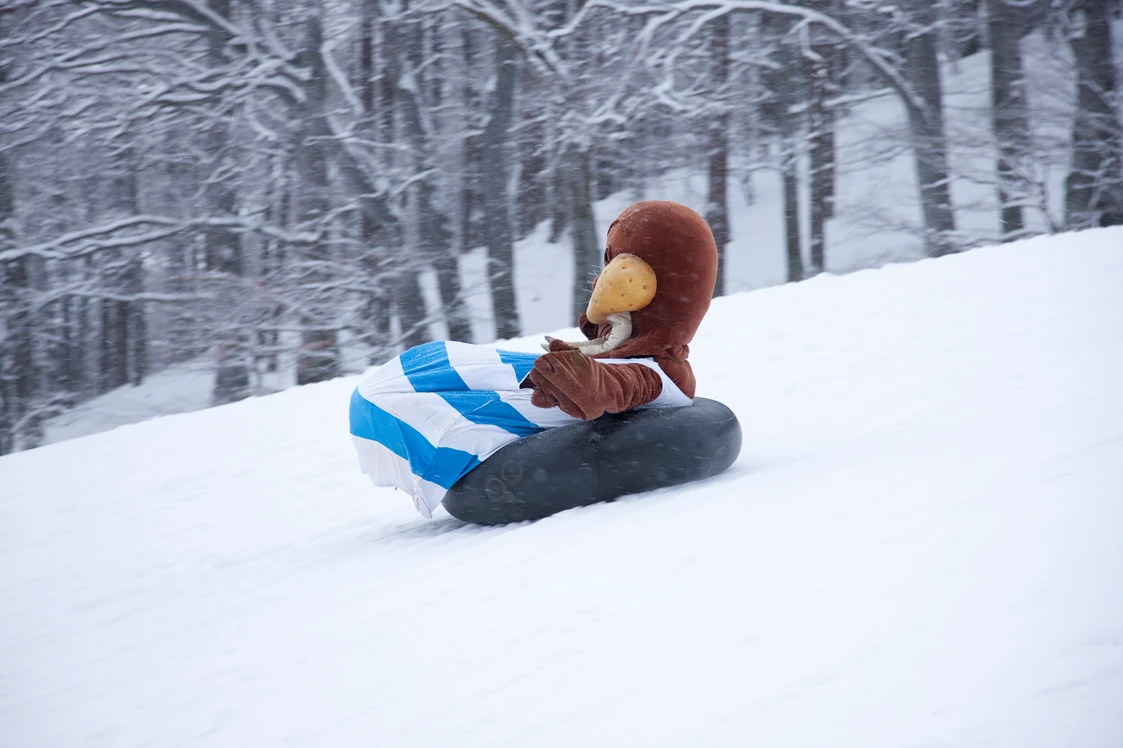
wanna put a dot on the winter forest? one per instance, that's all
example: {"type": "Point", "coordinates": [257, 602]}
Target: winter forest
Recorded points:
{"type": "Point", "coordinates": [283, 191]}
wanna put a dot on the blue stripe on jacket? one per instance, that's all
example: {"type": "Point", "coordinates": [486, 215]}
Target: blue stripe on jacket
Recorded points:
{"type": "Point", "coordinates": [428, 369]}
{"type": "Point", "coordinates": [440, 465]}
{"type": "Point", "coordinates": [522, 363]}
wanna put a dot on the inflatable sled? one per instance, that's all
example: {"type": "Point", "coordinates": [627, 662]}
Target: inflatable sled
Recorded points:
{"type": "Point", "coordinates": [501, 436]}
{"type": "Point", "coordinates": [595, 461]}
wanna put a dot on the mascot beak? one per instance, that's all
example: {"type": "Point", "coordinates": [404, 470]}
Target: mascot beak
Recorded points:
{"type": "Point", "coordinates": [626, 285]}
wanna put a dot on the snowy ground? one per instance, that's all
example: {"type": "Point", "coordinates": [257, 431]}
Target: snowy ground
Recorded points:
{"type": "Point", "coordinates": [919, 546]}
{"type": "Point", "coordinates": [177, 389]}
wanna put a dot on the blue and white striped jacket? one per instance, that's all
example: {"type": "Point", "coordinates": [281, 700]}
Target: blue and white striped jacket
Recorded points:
{"type": "Point", "coordinates": [429, 416]}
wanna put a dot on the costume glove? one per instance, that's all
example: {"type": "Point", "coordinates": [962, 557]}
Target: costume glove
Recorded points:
{"type": "Point", "coordinates": [585, 388]}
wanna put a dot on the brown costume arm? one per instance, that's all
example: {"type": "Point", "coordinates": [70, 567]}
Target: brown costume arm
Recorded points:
{"type": "Point", "coordinates": [585, 388]}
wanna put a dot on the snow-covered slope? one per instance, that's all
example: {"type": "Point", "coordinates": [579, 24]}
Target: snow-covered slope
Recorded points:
{"type": "Point", "coordinates": [920, 545]}
{"type": "Point", "coordinates": [180, 388]}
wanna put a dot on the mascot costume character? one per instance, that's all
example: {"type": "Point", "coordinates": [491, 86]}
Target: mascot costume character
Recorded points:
{"type": "Point", "coordinates": [501, 436]}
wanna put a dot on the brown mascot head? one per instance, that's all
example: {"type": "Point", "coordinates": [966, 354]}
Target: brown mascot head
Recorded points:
{"type": "Point", "coordinates": [660, 269]}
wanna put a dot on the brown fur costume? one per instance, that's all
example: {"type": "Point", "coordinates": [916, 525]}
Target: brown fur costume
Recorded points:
{"type": "Point", "coordinates": [678, 245]}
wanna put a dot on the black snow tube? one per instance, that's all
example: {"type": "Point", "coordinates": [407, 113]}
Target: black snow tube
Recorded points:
{"type": "Point", "coordinates": [594, 461]}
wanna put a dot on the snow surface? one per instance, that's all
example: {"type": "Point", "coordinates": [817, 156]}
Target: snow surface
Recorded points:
{"type": "Point", "coordinates": [919, 546]}
{"type": "Point", "coordinates": [180, 388]}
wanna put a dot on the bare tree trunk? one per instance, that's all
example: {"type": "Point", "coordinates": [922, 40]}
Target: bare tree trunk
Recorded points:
{"type": "Point", "coordinates": [780, 82]}
{"type": "Point", "coordinates": [497, 219]}
{"type": "Point", "coordinates": [67, 350]}
{"type": "Point", "coordinates": [434, 239]}
{"type": "Point", "coordinates": [279, 210]}
{"type": "Point", "coordinates": [122, 273]}
{"type": "Point", "coordinates": [232, 380]}
{"type": "Point", "coordinates": [406, 298]}
{"type": "Point", "coordinates": [73, 375]}
{"type": "Point", "coordinates": [587, 253]}
{"type": "Point", "coordinates": [434, 213]}
{"type": "Point", "coordinates": [531, 205]}
{"type": "Point", "coordinates": [559, 189]}
{"type": "Point", "coordinates": [717, 205]}
{"type": "Point", "coordinates": [105, 343]}
{"type": "Point", "coordinates": [1009, 116]}
{"type": "Point", "coordinates": [967, 37]}
{"type": "Point", "coordinates": [319, 351]}
{"type": "Point", "coordinates": [561, 172]}
{"type": "Point", "coordinates": [820, 126]}
{"type": "Point", "coordinates": [80, 356]}
{"type": "Point", "coordinates": [368, 29]}
{"type": "Point", "coordinates": [926, 129]}
{"type": "Point", "coordinates": [223, 250]}
{"type": "Point", "coordinates": [121, 343]}
{"type": "Point", "coordinates": [793, 249]}
{"type": "Point", "coordinates": [20, 381]}
{"type": "Point", "coordinates": [438, 239]}
{"type": "Point", "coordinates": [18, 377]}
{"type": "Point", "coordinates": [137, 328]}
{"type": "Point", "coordinates": [471, 231]}
{"type": "Point", "coordinates": [374, 260]}
{"type": "Point", "coordinates": [1094, 187]}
